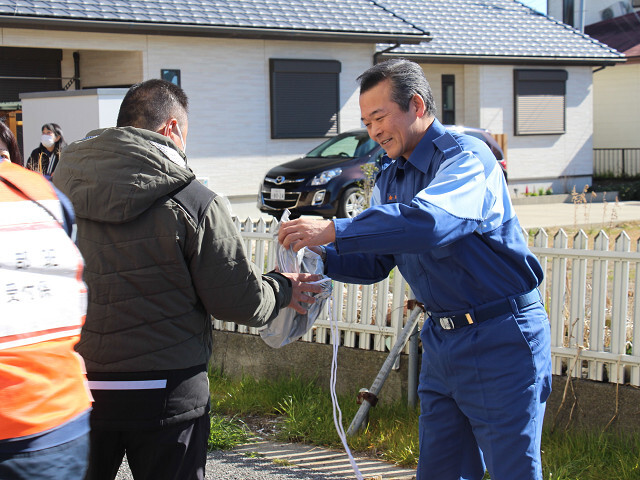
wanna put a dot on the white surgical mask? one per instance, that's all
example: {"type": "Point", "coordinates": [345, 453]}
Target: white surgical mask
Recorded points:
{"type": "Point", "coordinates": [184, 145]}
{"type": "Point", "coordinates": [48, 140]}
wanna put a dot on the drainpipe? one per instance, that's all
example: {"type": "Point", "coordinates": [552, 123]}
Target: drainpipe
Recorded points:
{"type": "Point", "coordinates": [377, 54]}
{"type": "Point", "coordinates": [76, 69]}
{"type": "Point", "coordinates": [581, 14]}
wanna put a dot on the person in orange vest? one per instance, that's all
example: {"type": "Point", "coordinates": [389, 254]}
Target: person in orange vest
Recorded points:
{"type": "Point", "coordinates": [9, 150]}
{"type": "Point", "coordinates": [44, 400]}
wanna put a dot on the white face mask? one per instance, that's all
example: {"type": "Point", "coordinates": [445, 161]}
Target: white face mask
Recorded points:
{"type": "Point", "coordinates": [184, 145]}
{"type": "Point", "coordinates": [48, 140]}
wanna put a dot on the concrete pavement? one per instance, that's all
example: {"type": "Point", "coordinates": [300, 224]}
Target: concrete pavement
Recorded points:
{"type": "Point", "coordinates": [266, 460]}
{"type": "Point", "coordinates": [585, 215]}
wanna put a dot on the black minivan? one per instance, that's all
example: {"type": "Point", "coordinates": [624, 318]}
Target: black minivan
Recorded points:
{"type": "Point", "coordinates": [327, 181]}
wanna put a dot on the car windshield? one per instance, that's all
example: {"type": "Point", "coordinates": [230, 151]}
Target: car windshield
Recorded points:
{"type": "Point", "coordinates": [346, 145]}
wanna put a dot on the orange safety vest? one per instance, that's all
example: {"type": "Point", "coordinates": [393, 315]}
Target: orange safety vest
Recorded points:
{"type": "Point", "coordinates": [43, 304]}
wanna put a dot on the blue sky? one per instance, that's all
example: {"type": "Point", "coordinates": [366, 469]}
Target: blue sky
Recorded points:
{"type": "Point", "coordinates": [539, 5]}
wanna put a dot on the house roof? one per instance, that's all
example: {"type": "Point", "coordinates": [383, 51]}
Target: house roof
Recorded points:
{"type": "Point", "coordinates": [488, 31]}
{"type": "Point", "coordinates": [355, 20]}
{"type": "Point", "coordinates": [621, 33]}
{"type": "Point", "coordinates": [494, 31]}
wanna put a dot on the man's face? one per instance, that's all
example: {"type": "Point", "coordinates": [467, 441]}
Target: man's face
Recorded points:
{"type": "Point", "coordinates": [396, 131]}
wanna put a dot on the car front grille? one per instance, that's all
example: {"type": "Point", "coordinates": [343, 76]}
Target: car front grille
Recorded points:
{"type": "Point", "coordinates": [283, 180]}
{"type": "Point", "coordinates": [290, 199]}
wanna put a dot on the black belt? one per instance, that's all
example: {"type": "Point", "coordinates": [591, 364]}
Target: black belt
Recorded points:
{"type": "Point", "coordinates": [485, 312]}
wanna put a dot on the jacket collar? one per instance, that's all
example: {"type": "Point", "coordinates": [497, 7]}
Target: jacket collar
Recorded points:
{"type": "Point", "coordinates": [422, 155]}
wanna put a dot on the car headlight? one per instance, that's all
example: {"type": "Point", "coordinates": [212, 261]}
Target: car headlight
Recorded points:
{"type": "Point", "coordinates": [325, 176]}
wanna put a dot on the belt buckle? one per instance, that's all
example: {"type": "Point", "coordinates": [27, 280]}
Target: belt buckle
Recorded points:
{"type": "Point", "coordinates": [447, 323]}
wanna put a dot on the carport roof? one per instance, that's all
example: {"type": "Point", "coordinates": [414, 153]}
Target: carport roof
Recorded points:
{"type": "Point", "coordinates": [348, 20]}
{"type": "Point", "coordinates": [494, 31]}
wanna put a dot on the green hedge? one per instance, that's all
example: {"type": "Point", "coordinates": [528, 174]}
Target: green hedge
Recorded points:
{"type": "Point", "coordinates": [627, 188]}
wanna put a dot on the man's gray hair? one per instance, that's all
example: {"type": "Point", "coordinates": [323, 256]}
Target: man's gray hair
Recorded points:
{"type": "Point", "coordinates": [407, 79]}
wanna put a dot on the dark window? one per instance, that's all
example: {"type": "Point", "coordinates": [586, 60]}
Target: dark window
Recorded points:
{"type": "Point", "coordinates": [170, 75]}
{"type": "Point", "coordinates": [29, 70]}
{"type": "Point", "coordinates": [304, 98]}
{"type": "Point", "coordinates": [449, 99]}
{"type": "Point", "coordinates": [540, 101]}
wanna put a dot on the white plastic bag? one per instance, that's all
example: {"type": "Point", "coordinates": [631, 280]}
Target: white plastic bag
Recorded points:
{"type": "Point", "coordinates": [290, 325]}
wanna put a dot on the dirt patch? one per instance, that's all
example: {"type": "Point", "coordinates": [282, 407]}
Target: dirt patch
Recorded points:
{"type": "Point", "coordinates": [263, 426]}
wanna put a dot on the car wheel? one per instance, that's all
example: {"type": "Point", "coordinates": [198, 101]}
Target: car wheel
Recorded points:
{"type": "Point", "coordinates": [352, 202]}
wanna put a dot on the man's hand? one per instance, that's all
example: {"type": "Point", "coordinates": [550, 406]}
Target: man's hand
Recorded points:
{"type": "Point", "coordinates": [300, 285]}
{"type": "Point", "coordinates": [305, 232]}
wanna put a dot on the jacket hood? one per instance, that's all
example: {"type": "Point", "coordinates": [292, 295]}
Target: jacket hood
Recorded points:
{"type": "Point", "coordinates": [115, 174]}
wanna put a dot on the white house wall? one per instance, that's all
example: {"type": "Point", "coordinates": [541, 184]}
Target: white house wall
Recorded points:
{"type": "Point", "coordinates": [228, 85]}
{"type": "Point", "coordinates": [74, 116]}
{"type": "Point", "coordinates": [227, 82]}
{"type": "Point", "coordinates": [562, 162]}
{"type": "Point", "coordinates": [484, 98]}
{"type": "Point", "coordinates": [472, 96]}
{"type": "Point", "coordinates": [77, 112]}
{"type": "Point", "coordinates": [616, 107]}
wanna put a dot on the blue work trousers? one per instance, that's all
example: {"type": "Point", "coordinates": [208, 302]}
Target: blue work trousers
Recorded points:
{"type": "Point", "coordinates": [66, 461]}
{"type": "Point", "coordinates": [483, 389]}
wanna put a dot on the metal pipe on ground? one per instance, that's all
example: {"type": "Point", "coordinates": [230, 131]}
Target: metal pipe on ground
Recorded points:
{"type": "Point", "coordinates": [370, 397]}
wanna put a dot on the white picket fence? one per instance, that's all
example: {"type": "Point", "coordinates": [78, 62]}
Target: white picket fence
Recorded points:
{"type": "Point", "coordinates": [589, 293]}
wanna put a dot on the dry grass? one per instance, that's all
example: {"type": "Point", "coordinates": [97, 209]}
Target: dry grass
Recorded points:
{"type": "Point", "coordinates": [632, 229]}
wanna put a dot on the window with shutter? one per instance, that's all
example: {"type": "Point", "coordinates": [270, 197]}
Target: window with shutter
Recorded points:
{"type": "Point", "coordinates": [304, 98]}
{"type": "Point", "coordinates": [540, 102]}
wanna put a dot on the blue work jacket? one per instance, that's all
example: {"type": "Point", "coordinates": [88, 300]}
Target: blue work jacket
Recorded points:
{"type": "Point", "coordinates": [445, 218]}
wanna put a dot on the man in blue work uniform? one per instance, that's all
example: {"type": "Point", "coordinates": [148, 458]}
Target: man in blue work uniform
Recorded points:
{"type": "Point", "coordinates": [442, 213]}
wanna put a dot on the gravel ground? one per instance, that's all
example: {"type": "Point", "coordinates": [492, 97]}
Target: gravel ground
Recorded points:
{"type": "Point", "coordinates": [228, 465]}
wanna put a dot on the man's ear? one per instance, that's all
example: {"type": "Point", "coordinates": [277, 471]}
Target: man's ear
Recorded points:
{"type": "Point", "coordinates": [167, 128]}
{"type": "Point", "coordinates": [417, 102]}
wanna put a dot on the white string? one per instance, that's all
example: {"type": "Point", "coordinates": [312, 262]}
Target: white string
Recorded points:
{"type": "Point", "coordinates": [337, 420]}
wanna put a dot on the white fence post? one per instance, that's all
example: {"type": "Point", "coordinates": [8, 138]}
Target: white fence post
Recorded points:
{"type": "Point", "coordinates": [619, 307]}
{"type": "Point", "coordinates": [635, 351]}
{"type": "Point", "coordinates": [598, 306]}
{"type": "Point", "coordinates": [541, 240]}
{"type": "Point", "coordinates": [556, 302]}
{"type": "Point", "coordinates": [577, 309]}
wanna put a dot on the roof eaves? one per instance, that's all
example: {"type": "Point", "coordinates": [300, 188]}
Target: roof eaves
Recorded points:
{"type": "Point", "coordinates": [152, 28]}
{"type": "Point", "coordinates": [506, 59]}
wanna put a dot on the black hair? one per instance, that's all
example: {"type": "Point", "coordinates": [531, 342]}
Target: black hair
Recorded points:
{"type": "Point", "coordinates": [407, 79]}
{"type": "Point", "coordinates": [8, 138]}
{"type": "Point", "coordinates": [57, 130]}
{"type": "Point", "coordinates": [151, 103]}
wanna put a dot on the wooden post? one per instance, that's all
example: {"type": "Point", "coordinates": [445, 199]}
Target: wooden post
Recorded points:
{"type": "Point", "coordinates": [501, 138]}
